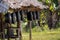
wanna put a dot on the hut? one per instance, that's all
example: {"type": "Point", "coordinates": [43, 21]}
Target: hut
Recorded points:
{"type": "Point", "coordinates": [14, 11]}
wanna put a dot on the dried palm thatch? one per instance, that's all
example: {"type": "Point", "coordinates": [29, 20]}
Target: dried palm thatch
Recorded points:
{"type": "Point", "coordinates": [19, 3]}
{"type": "Point", "coordinates": [3, 6]}
{"type": "Point", "coordinates": [22, 4]}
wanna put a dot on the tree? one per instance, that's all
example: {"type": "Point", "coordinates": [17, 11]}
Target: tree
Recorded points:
{"type": "Point", "coordinates": [52, 16]}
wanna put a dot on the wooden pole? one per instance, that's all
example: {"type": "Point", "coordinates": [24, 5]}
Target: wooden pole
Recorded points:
{"type": "Point", "coordinates": [2, 27]}
{"type": "Point", "coordinates": [30, 34]}
{"type": "Point", "coordinates": [30, 30]}
{"type": "Point", "coordinates": [19, 26]}
{"type": "Point", "coordinates": [19, 30]}
{"type": "Point", "coordinates": [9, 25]}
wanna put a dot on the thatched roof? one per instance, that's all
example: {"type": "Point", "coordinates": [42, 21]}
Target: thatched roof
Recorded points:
{"type": "Point", "coordinates": [19, 3]}
{"type": "Point", "coordinates": [16, 4]}
{"type": "Point", "coordinates": [3, 6]}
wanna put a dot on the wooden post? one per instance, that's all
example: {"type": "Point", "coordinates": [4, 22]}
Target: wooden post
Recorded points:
{"type": "Point", "coordinates": [8, 25]}
{"type": "Point", "coordinates": [30, 35]}
{"type": "Point", "coordinates": [30, 30]}
{"type": "Point", "coordinates": [19, 26]}
{"type": "Point", "coordinates": [2, 27]}
{"type": "Point", "coordinates": [19, 30]}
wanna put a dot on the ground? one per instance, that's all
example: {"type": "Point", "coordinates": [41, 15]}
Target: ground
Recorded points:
{"type": "Point", "coordinates": [45, 35]}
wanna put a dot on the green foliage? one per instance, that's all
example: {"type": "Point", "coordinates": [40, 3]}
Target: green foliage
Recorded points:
{"type": "Point", "coordinates": [55, 2]}
{"type": "Point", "coordinates": [48, 1]}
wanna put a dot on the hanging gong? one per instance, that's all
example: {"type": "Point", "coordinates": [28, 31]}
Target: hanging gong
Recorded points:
{"type": "Point", "coordinates": [18, 17]}
{"type": "Point", "coordinates": [29, 16]}
{"type": "Point", "coordinates": [34, 15]}
{"type": "Point", "coordinates": [37, 15]}
{"type": "Point", "coordinates": [21, 14]}
{"type": "Point", "coordinates": [8, 18]}
{"type": "Point", "coordinates": [13, 15]}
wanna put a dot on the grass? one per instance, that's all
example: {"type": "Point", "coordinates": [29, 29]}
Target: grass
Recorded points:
{"type": "Point", "coordinates": [45, 35]}
{"type": "Point", "coordinates": [53, 34]}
